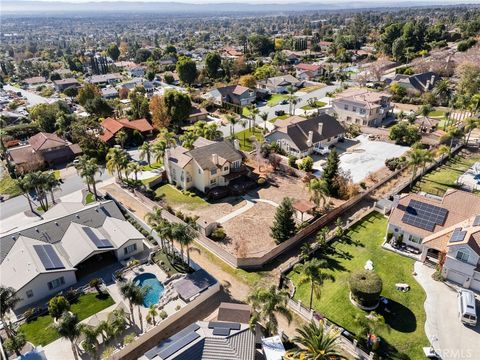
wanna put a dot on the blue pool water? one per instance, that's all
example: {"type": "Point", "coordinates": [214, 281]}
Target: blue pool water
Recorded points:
{"type": "Point", "coordinates": [155, 288]}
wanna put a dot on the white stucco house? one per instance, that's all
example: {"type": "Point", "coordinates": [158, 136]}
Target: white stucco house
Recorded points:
{"type": "Point", "coordinates": [45, 257]}
{"type": "Point", "coordinates": [207, 165]}
{"type": "Point", "coordinates": [458, 247]}
{"type": "Point", "coordinates": [415, 217]}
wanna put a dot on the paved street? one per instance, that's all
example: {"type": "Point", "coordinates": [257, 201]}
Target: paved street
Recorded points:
{"type": "Point", "coordinates": [32, 98]}
{"type": "Point", "coordinates": [450, 338]}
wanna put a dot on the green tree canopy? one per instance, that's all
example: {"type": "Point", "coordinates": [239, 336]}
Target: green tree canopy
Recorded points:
{"type": "Point", "coordinates": [187, 70]}
{"type": "Point", "coordinates": [284, 226]}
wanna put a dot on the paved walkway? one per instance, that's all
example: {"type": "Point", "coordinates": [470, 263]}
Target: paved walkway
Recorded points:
{"type": "Point", "coordinates": [237, 212]}
{"type": "Point", "coordinates": [449, 337]}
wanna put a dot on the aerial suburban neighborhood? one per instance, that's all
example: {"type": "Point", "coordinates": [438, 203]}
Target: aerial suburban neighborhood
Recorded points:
{"type": "Point", "coordinates": [239, 180]}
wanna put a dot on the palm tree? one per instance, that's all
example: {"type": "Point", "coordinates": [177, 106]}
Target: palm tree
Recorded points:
{"type": "Point", "coordinates": [243, 123]}
{"type": "Point", "coordinates": [152, 314]}
{"type": "Point", "coordinates": [264, 117]}
{"type": "Point", "coordinates": [313, 103]}
{"type": "Point", "coordinates": [68, 327]}
{"type": "Point", "coordinates": [427, 157]}
{"type": "Point", "coordinates": [185, 236]}
{"type": "Point", "coordinates": [453, 134]}
{"type": "Point", "coordinates": [424, 111]}
{"type": "Point", "coordinates": [87, 168]}
{"type": "Point", "coordinates": [474, 105]}
{"type": "Point", "coordinates": [442, 150]}
{"type": "Point", "coordinates": [25, 187]}
{"type": "Point", "coordinates": [138, 296]}
{"type": "Point", "coordinates": [415, 159]}
{"type": "Point", "coordinates": [146, 151]}
{"type": "Point", "coordinates": [135, 168]}
{"type": "Point", "coordinates": [51, 184]}
{"type": "Point", "coordinates": [187, 139]}
{"type": "Point", "coordinates": [470, 125]}
{"type": "Point", "coordinates": [38, 183]}
{"type": "Point", "coordinates": [232, 120]}
{"type": "Point", "coordinates": [167, 136]}
{"type": "Point", "coordinates": [117, 160]}
{"type": "Point", "coordinates": [121, 138]}
{"type": "Point", "coordinates": [311, 273]}
{"type": "Point", "coordinates": [158, 150]}
{"type": "Point", "coordinates": [318, 191]}
{"type": "Point", "coordinates": [8, 301]}
{"type": "Point", "coordinates": [371, 324]}
{"type": "Point", "coordinates": [265, 304]}
{"type": "Point", "coordinates": [127, 290]}
{"type": "Point", "coordinates": [117, 321]}
{"type": "Point", "coordinates": [291, 91]}
{"type": "Point", "coordinates": [90, 342]}
{"type": "Point", "coordinates": [442, 90]}
{"type": "Point", "coordinates": [253, 112]}
{"type": "Point", "coordinates": [155, 218]}
{"type": "Point", "coordinates": [315, 343]}
{"type": "Point", "coordinates": [305, 251]}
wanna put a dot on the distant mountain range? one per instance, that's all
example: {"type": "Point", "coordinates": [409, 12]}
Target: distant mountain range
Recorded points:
{"type": "Point", "coordinates": [97, 7]}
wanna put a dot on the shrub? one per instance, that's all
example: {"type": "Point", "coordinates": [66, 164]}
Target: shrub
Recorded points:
{"type": "Point", "coordinates": [306, 164]}
{"type": "Point", "coordinates": [292, 161]}
{"type": "Point", "coordinates": [389, 236]}
{"type": "Point", "coordinates": [395, 163]}
{"type": "Point", "coordinates": [128, 339]}
{"type": "Point", "coordinates": [261, 181]}
{"type": "Point", "coordinates": [178, 307]}
{"type": "Point", "coordinates": [365, 287]}
{"type": "Point", "coordinates": [30, 314]}
{"type": "Point", "coordinates": [57, 306]}
{"type": "Point", "coordinates": [163, 314]}
{"type": "Point", "coordinates": [218, 233]}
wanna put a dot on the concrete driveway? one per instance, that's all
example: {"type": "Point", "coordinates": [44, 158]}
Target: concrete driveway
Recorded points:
{"type": "Point", "coordinates": [450, 338]}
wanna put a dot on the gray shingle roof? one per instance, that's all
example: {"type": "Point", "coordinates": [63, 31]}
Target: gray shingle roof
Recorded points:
{"type": "Point", "coordinates": [224, 150]}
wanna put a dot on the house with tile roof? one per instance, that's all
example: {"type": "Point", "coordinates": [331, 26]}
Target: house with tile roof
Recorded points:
{"type": "Point", "coordinates": [308, 71]}
{"type": "Point", "coordinates": [232, 95]}
{"type": "Point", "coordinates": [457, 249]}
{"type": "Point", "coordinates": [415, 217]}
{"type": "Point", "coordinates": [207, 165]}
{"type": "Point", "coordinates": [43, 150]}
{"type": "Point", "coordinates": [280, 84]}
{"type": "Point", "coordinates": [300, 137]}
{"type": "Point", "coordinates": [362, 106]}
{"type": "Point", "coordinates": [47, 256]}
{"type": "Point", "coordinates": [112, 126]}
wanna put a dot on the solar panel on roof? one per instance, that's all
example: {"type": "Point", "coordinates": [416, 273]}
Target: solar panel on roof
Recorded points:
{"type": "Point", "coordinates": [458, 235]}
{"type": "Point", "coordinates": [99, 243]}
{"type": "Point", "coordinates": [424, 216]}
{"type": "Point", "coordinates": [218, 331]}
{"type": "Point", "coordinates": [150, 354]}
{"type": "Point", "coordinates": [48, 257]}
{"type": "Point", "coordinates": [476, 221]}
{"type": "Point", "coordinates": [178, 345]}
{"type": "Point", "coordinates": [225, 325]}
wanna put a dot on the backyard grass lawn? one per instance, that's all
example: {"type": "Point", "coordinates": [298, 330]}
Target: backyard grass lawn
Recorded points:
{"type": "Point", "coordinates": [318, 103]}
{"type": "Point", "coordinates": [407, 316]}
{"type": "Point", "coordinates": [281, 117]}
{"type": "Point", "coordinates": [152, 166]}
{"type": "Point", "coordinates": [150, 179]}
{"type": "Point", "coordinates": [40, 331]}
{"type": "Point", "coordinates": [246, 144]}
{"type": "Point", "coordinates": [444, 177]}
{"type": "Point", "coordinates": [437, 114]}
{"type": "Point", "coordinates": [309, 89]}
{"type": "Point", "coordinates": [174, 196]}
{"type": "Point", "coordinates": [8, 186]}
{"type": "Point", "coordinates": [276, 98]}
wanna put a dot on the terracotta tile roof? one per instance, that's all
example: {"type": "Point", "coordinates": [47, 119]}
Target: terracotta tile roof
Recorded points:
{"type": "Point", "coordinates": [43, 141]}
{"type": "Point", "coordinates": [454, 201]}
{"type": "Point", "coordinates": [308, 67]}
{"type": "Point", "coordinates": [111, 126]}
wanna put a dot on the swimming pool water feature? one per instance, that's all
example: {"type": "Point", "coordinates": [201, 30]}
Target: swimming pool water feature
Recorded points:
{"type": "Point", "coordinates": [155, 288]}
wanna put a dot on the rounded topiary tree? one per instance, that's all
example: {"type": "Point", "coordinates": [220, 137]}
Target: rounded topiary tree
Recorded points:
{"type": "Point", "coordinates": [57, 306]}
{"type": "Point", "coordinates": [365, 288]}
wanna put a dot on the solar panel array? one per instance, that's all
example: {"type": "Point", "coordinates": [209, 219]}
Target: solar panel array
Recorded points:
{"type": "Point", "coordinates": [153, 352]}
{"type": "Point", "coordinates": [476, 221]}
{"type": "Point", "coordinates": [99, 243]}
{"type": "Point", "coordinates": [221, 328]}
{"type": "Point", "coordinates": [458, 235]}
{"type": "Point", "coordinates": [424, 216]}
{"type": "Point", "coordinates": [178, 345]}
{"type": "Point", "coordinates": [48, 257]}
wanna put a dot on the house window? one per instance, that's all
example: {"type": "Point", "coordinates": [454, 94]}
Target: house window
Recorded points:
{"type": "Point", "coordinates": [462, 255]}
{"type": "Point", "coordinates": [29, 293]}
{"type": "Point", "coordinates": [345, 107]}
{"type": "Point", "coordinates": [362, 111]}
{"type": "Point", "coordinates": [354, 109]}
{"type": "Point", "coordinates": [56, 283]}
{"type": "Point", "coordinates": [225, 168]}
{"type": "Point", "coordinates": [129, 249]}
{"type": "Point", "coordinates": [199, 171]}
{"type": "Point", "coordinates": [213, 181]}
{"type": "Point", "coordinates": [213, 171]}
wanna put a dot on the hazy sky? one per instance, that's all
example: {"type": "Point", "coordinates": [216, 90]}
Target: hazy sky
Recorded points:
{"type": "Point", "coordinates": [438, 2]}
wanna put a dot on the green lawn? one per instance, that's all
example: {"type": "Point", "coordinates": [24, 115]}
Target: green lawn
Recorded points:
{"type": "Point", "coordinates": [318, 103]}
{"type": "Point", "coordinates": [246, 144]}
{"type": "Point", "coordinates": [281, 117]}
{"type": "Point", "coordinates": [8, 186]}
{"type": "Point", "coordinates": [174, 196]}
{"type": "Point", "coordinates": [407, 316]}
{"type": "Point", "coordinates": [436, 114]}
{"type": "Point", "coordinates": [40, 330]}
{"type": "Point", "coordinates": [276, 98]}
{"type": "Point", "coordinates": [438, 181]}
{"type": "Point", "coordinates": [89, 198]}
{"type": "Point", "coordinates": [309, 89]}
{"type": "Point", "coordinates": [245, 112]}
{"type": "Point", "coordinates": [152, 166]}
{"type": "Point", "coordinates": [150, 179]}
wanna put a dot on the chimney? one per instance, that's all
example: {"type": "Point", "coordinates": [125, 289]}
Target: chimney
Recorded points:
{"type": "Point", "coordinates": [236, 144]}
{"type": "Point", "coordinates": [215, 159]}
{"type": "Point", "coordinates": [310, 138]}
{"type": "Point", "coordinates": [320, 128]}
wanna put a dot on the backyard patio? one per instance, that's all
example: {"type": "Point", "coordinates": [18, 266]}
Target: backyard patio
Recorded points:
{"type": "Point", "coordinates": [406, 316]}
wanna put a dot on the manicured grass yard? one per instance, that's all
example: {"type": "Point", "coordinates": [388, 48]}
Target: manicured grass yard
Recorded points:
{"type": "Point", "coordinates": [150, 179]}
{"type": "Point", "coordinates": [437, 114]}
{"type": "Point", "coordinates": [90, 198]}
{"type": "Point", "coordinates": [318, 103]}
{"type": "Point", "coordinates": [281, 117]}
{"type": "Point", "coordinates": [438, 181]}
{"type": "Point", "coordinates": [8, 186]}
{"type": "Point", "coordinates": [407, 317]}
{"type": "Point", "coordinates": [40, 330]}
{"type": "Point", "coordinates": [174, 196]}
{"type": "Point", "coordinates": [244, 137]}
{"type": "Point", "coordinates": [152, 166]}
{"type": "Point", "coordinates": [276, 98]}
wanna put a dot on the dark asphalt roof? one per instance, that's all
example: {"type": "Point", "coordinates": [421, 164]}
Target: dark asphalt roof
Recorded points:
{"type": "Point", "coordinates": [224, 150]}
{"type": "Point", "coordinates": [194, 284]}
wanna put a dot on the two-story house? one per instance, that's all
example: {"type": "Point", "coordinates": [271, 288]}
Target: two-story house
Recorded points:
{"type": "Point", "coordinates": [232, 95]}
{"type": "Point", "coordinates": [361, 106]}
{"type": "Point", "coordinates": [207, 165]}
{"type": "Point", "coordinates": [300, 137]}
{"type": "Point", "coordinates": [417, 83]}
{"type": "Point", "coordinates": [458, 247]}
{"type": "Point", "coordinates": [415, 217]}
{"type": "Point", "coordinates": [308, 71]}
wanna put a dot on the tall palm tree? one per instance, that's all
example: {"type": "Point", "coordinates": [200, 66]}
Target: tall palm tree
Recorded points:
{"type": "Point", "coordinates": [442, 150]}
{"type": "Point", "coordinates": [453, 133]}
{"type": "Point", "coordinates": [442, 90]}
{"type": "Point", "coordinates": [8, 301]}
{"type": "Point", "coordinates": [152, 314]}
{"type": "Point", "coordinates": [127, 290]}
{"type": "Point", "coordinates": [265, 304]}
{"type": "Point", "coordinates": [185, 236]}
{"type": "Point", "coordinates": [91, 169]}
{"type": "Point", "coordinates": [470, 125]}
{"type": "Point", "coordinates": [424, 111]}
{"type": "Point", "coordinates": [371, 324]}
{"type": "Point", "coordinates": [146, 151]}
{"type": "Point", "coordinates": [415, 159]}
{"type": "Point", "coordinates": [68, 327]}
{"type": "Point", "coordinates": [135, 168]}
{"type": "Point", "coordinates": [243, 123]}
{"type": "Point", "coordinates": [117, 160]}
{"type": "Point", "coordinates": [90, 342]}
{"type": "Point", "coordinates": [232, 120]}
{"type": "Point", "coordinates": [51, 184]}
{"type": "Point", "coordinates": [154, 219]}
{"type": "Point", "coordinates": [264, 117]}
{"type": "Point", "coordinates": [167, 136]}
{"type": "Point", "coordinates": [291, 91]}
{"type": "Point", "coordinates": [120, 138]}
{"type": "Point", "coordinates": [117, 321]}
{"type": "Point", "coordinates": [38, 183]}
{"type": "Point", "coordinates": [427, 157]}
{"type": "Point", "coordinates": [318, 191]}
{"type": "Point", "coordinates": [253, 112]}
{"type": "Point", "coordinates": [25, 187]}
{"type": "Point", "coordinates": [315, 343]}
{"type": "Point", "coordinates": [158, 150]}
{"type": "Point", "coordinates": [311, 273]}
{"type": "Point", "coordinates": [138, 296]}
{"type": "Point", "coordinates": [187, 139]}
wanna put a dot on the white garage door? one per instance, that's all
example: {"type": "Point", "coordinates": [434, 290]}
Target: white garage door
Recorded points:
{"type": "Point", "coordinates": [475, 284]}
{"type": "Point", "coordinates": [456, 277]}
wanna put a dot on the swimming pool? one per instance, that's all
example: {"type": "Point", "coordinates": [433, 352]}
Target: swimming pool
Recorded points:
{"type": "Point", "coordinates": [155, 288]}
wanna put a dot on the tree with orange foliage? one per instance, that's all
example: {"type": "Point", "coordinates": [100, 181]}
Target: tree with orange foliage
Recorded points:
{"type": "Point", "coordinates": [158, 109]}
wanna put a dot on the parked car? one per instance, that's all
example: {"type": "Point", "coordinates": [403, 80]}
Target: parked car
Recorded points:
{"type": "Point", "coordinates": [279, 112]}
{"type": "Point", "coordinates": [466, 307]}
{"type": "Point", "coordinates": [283, 102]}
